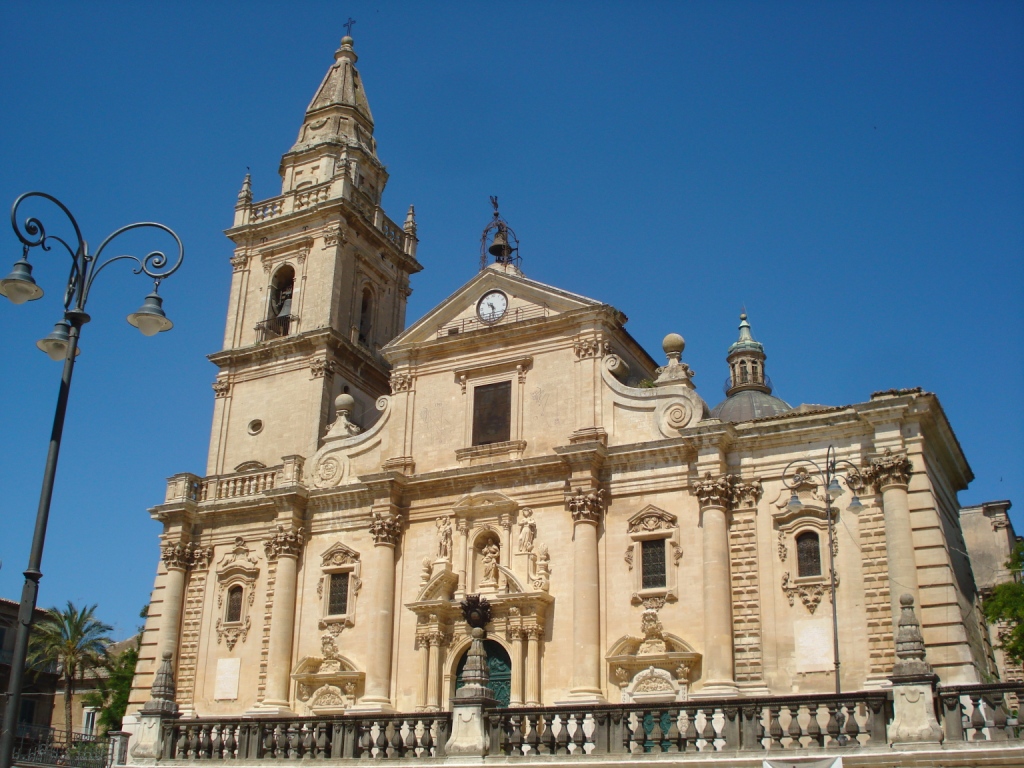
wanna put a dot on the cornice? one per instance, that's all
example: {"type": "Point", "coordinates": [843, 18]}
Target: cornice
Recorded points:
{"type": "Point", "coordinates": [307, 344]}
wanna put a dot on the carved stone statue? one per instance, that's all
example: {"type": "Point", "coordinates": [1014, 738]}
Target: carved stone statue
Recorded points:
{"type": "Point", "coordinates": [490, 551]}
{"type": "Point", "coordinates": [444, 538]}
{"type": "Point", "coordinates": [527, 531]}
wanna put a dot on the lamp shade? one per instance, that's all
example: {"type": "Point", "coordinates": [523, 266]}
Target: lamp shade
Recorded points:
{"type": "Point", "coordinates": [794, 503]}
{"type": "Point", "coordinates": [835, 490]}
{"type": "Point", "coordinates": [150, 318]}
{"type": "Point", "coordinates": [56, 344]}
{"type": "Point", "coordinates": [20, 286]}
{"type": "Point", "coordinates": [855, 504]}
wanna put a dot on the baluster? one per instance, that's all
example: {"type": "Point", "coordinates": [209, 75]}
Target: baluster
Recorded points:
{"type": "Point", "coordinates": [562, 740]}
{"type": "Point", "coordinates": [998, 730]}
{"type": "Point", "coordinates": [181, 745]}
{"type": "Point", "coordinates": [548, 737]}
{"type": "Point", "coordinates": [410, 738]}
{"type": "Point", "coordinates": [364, 742]}
{"type": "Point", "coordinates": [852, 726]}
{"type": "Point", "coordinates": [639, 735]}
{"type": "Point", "coordinates": [426, 740]}
{"type": "Point", "coordinates": [193, 743]}
{"type": "Point", "coordinates": [833, 725]}
{"type": "Point", "coordinates": [579, 738]}
{"type": "Point", "coordinates": [307, 742]}
{"type": "Point", "coordinates": [216, 744]}
{"type": "Point", "coordinates": [513, 737]}
{"type": "Point", "coordinates": [672, 737]}
{"type": "Point", "coordinates": [321, 741]}
{"type": "Point", "coordinates": [381, 742]}
{"type": "Point", "coordinates": [708, 734]}
{"type": "Point", "coordinates": [690, 736]}
{"type": "Point", "coordinates": [774, 728]}
{"type": "Point", "coordinates": [977, 718]}
{"type": "Point", "coordinates": [813, 727]}
{"type": "Point", "coordinates": [396, 742]}
{"type": "Point", "coordinates": [230, 741]}
{"type": "Point", "coordinates": [656, 736]}
{"type": "Point", "coordinates": [533, 734]}
{"type": "Point", "coordinates": [794, 731]}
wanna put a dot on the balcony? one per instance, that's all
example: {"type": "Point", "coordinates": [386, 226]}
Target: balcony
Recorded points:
{"type": "Point", "coordinates": [276, 327]}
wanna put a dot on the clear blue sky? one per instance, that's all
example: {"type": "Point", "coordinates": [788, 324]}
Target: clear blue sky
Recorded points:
{"type": "Point", "coordinates": [853, 173]}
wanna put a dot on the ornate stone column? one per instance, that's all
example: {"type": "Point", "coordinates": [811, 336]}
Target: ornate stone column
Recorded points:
{"type": "Point", "coordinates": [435, 640]}
{"type": "Point", "coordinates": [533, 636]}
{"type": "Point", "coordinates": [385, 529]}
{"type": "Point", "coordinates": [586, 509]}
{"type": "Point", "coordinates": [716, 496]}
{"type": "Point", "coordinates": [284, 546]}
{"type": "Point", "coordinates": [890, 473]}
{"type": "Point", "coordinates": [177, 558]}
{"type": "Point", "coordinates": [516, 692]}
{"type": "Point", "coordinates": [461, 547]}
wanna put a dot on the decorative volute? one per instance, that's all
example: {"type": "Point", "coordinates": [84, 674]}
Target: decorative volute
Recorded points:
{"type": "Point", "coordinates": [746, 363]}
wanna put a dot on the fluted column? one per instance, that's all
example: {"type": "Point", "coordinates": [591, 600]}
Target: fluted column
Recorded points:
{"type": "Point", "coordinates": [586, 509]}
{"type": "Point", "coordinates": [533, 695]}
{"type": "Point", "coordinates": [516, 692]}
{"type": "Point", "coordinates": [284, 547]}
{"type": "Point", "coordinates": [890, 473]}
{"type": "Point", "coordinates": [385, 530]}
{"type": "Point", "coordinates": [715, 496]}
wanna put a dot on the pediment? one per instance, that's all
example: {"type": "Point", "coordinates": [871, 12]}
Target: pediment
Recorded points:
{"type": "Point", "coordinates": [457, 315]}
{"type": "Point", "coordinates": [339, 554]}
{"type": "Point", "coordinates": [651, 518]}
{"type": "Point", "coordinates": [484, 503]}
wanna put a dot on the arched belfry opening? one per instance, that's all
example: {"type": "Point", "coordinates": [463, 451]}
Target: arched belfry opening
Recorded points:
{"type": "Point", "coordinates": [280, 319]}
{"type": "Point", "coordinates": [366, 316]}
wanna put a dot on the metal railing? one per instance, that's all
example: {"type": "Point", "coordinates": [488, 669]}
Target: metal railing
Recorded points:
{"type": "Point", "coordinates": [50, 746]}
{"type": "Point", "coordinates": [275, 327]}
{"type": "Point", "coordinates": [468, 324]}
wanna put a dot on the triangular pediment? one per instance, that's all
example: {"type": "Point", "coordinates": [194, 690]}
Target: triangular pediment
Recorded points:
{"type": "Point", "coordinates": [458, 314]}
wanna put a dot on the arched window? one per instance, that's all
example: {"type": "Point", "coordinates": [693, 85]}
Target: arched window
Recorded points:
{"type": "Point", "coordinates": [366, 316]}
{"type": "Point", "coordinates": [234, 612]}
{"type": "Point", "coordinates": [755, 371]}
{"type": "Point", "coordinates": [744, 375]}
{"type": "Point", "coordinates": [279, 310]}
{"type": "Point", "coordinates": [808, 554]}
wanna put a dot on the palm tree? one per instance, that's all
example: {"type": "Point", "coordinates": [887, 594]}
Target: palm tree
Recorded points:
{"type": "Point", "coordinates": [76, 641]}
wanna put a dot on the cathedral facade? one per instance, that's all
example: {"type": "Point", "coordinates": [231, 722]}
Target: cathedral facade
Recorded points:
{"type": "Point", "coordinates": [634, 543]}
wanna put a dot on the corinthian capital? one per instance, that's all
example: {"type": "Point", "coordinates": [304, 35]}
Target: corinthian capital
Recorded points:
{"type": "Point", "coordinates": [175, 556]}
{"type": "Point", "coordinates": [889, 469]}
{"type": "Point", "coordinates": [715, 491]}
{"type": "Point", "coordinates": [585, 507]}
{"type": "Point", "coordinates": [385, 529]}
{"type": "Point", "coordinates": [286, 542]}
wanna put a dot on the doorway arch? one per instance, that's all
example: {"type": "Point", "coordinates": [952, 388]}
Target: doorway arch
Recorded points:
{"type": "Point", "coordinates": [499, 665]}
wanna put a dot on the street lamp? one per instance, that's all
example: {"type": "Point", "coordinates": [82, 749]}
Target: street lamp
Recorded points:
{"type": "Point", "coordinates": [62, 344]}
{"type": "Point", "coordinates": [831, 475]}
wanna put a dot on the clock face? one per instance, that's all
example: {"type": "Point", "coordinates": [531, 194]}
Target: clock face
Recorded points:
{"type": "Point", "coordinates": [491, 307]}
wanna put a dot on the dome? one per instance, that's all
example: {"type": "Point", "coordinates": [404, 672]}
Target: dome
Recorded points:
{"type": "Point", "coordinates": [749, 404]}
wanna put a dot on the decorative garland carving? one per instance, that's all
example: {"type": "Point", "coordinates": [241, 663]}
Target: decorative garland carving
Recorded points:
{"type": "Point", "coordinates": [810, 593]}
{"type": "Point", "coordinates": [651, 518]}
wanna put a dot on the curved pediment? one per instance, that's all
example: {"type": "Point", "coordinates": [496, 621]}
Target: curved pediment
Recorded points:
{"type": "Point", "coordinates": [484, 503]}
{"type": "Point", "coordinates": [651, 518]}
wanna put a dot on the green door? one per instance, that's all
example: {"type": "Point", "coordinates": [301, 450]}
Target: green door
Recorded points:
{"type": "Point", "coordinates": [500, 668]}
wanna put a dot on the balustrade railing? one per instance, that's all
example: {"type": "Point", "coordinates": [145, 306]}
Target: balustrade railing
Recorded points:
{"type": "Point", "coordinates": [237, 485]}
{"type": "Point", "coordinates": [721, 725]}
{"type": "Point", "coordinates": [349, 736]}
{"type": "Point", "coordinates": [979, 712]}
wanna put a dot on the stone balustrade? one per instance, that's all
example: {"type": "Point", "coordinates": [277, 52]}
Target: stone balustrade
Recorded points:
{"type": "Point", "coordinates": [976, 713]}
{"type": "Point", "coordinates": [238, 484]}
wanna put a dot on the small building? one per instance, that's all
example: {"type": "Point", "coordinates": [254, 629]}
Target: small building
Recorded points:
{"type": "Point", "coordinates": [37, 698]}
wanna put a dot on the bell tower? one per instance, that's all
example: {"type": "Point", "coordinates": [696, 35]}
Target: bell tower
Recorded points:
{"type": "Point", "coordinates": [320, 283]}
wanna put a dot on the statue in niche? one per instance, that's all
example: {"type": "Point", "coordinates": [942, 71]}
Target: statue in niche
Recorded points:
{"type": "Point", "coordinates": [490, 551]}
{"type": "Point", "coordinates": [527, 531]}
{"type": "Point", "coordinates": [444, 538]}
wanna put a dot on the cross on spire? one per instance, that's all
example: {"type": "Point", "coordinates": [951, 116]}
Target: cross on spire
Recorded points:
{"type": "Point", "coordinates": [348, 26]}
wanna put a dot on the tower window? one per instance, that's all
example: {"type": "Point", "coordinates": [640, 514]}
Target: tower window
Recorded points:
{"type": "Point", "coordinates": [652, 562]}
{"type": "Point", "coordinates": [234, 612]}
{"type": "Point", "coordinates": [279, 309]}
{"type": "Point", "coordinates": [366, 316]}
{"type": "Point", "coordinates": [808, 554]}
{"type": "Point", "coordinates": [337, 601]}
{"type": "Point", "coordinates": [744, 375]}
{"type": "Point", "coordinates": [492, 413]}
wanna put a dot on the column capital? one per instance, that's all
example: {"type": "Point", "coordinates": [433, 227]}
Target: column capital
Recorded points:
{"type": "Point", "coordinates": [586, 507]}
{"type": "Point", "coordinates": [889, 469]}
{"type": "Point", "coordinates": [285, 542]}
{"type": "Point", "coordinates": [186, 556]}
{"type": "Point", "coordinates": [385, 529]}
{"type": "Point", "coordinates": [727, 492]}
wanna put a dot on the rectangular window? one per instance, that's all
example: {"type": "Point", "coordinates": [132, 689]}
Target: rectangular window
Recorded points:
{"type": "Point", "coordinates": [337, 601]}
{"type": "Point", "coordinates": [27, 715]}
{"type": "Point", "coordinates": [652, 560]}
{"type": "Point", "coordinates": [88, 721]}
{"type": "Point", "coordinates": [492, 413]}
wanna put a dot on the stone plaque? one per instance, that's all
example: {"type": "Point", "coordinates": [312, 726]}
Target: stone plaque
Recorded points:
{"type": "Point", "coordinates": [813, 641]}
{"type": "Point", "coordinates": [227, 679]}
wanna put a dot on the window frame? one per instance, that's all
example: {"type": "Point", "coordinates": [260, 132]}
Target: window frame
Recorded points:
{"type": "Point", "coordinates": [649, 524]}
{"type": "Point", "coordinates": [514, 370]}
{"type": "Point", "coordinates": [502, 391]}
{"type": "Point", "coordinates": [338, 559]}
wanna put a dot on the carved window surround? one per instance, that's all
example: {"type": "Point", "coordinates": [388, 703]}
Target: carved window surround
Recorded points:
{"type": "Point", "coordinates": [652, 523]}
{"type": "Point", "coordinates": [788, 525]}
{"type": "Point", "coordinates": [338, 559]}
{"type": "Point", "coordinates": [514, 370]}
{"type": "Point", "coordinates": [236, 568]}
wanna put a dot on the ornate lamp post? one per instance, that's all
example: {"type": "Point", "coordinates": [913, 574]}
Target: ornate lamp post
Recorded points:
{"type": "Point", "coordinates": [831, 474]}
{"type": "Point", "coordinates": [62, 344]}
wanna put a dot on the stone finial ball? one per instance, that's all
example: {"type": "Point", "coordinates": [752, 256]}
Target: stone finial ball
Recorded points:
{"type": "Point", "coordinates": [346, 40]}
{"type": "Point", "coordinates": [673, 343]}
{"type": "Point", "coordinates": [344, 402]}
{"type": "Point", "coordinates": [906, 599]}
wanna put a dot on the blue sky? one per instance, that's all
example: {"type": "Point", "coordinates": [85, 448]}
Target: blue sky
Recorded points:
{"type": "Point", "coordinates": [852, 173]}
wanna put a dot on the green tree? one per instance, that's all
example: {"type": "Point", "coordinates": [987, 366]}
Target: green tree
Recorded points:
{"type": "Point", "coordinates": [1006, 605]}
{"type": "Point", "coordinates": [76, 641]}
{"type": "Point", "coordinates": [112, 692]}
